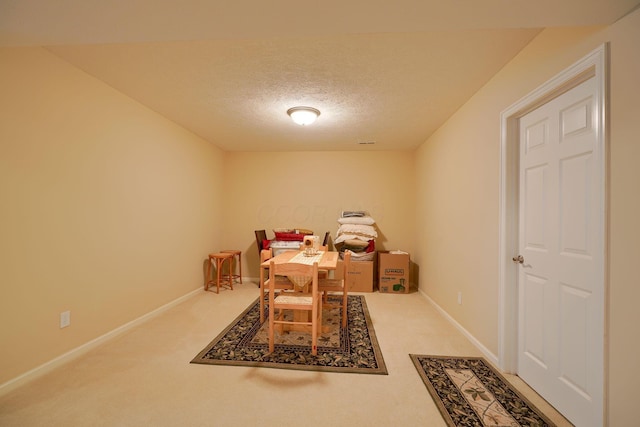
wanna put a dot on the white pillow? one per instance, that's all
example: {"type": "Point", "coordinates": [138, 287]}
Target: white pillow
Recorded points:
{"type": "Point", "coordinates": [365, 220]}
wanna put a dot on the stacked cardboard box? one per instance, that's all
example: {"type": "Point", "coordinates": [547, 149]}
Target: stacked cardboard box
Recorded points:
{"type": "Point", "coordinates": [360, 277]}
{"type": "Point", "coordinates": [393, 272]}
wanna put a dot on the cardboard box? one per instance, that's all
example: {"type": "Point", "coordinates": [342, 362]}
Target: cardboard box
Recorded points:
{"type": "Point", "coordinates": [393, 273]}
{"type": "Point", "coordinates": [360, 275]}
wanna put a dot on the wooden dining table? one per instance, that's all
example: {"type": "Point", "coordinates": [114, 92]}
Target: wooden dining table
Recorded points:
{"type": "Point", "coordinates": [328, 260]}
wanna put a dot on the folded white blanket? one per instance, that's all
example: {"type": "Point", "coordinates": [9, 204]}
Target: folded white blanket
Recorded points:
{"type": "Point", "coordinates": [358, 229]}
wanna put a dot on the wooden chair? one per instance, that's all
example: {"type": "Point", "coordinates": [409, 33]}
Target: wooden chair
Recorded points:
{"type": "Point", "coordinates": [325, 242]}
{"type": "Point", "coordinates": [302, 303]}
{"type": "Point", "coordinates": [261, 236]}
{"type": "Point", "coordinates": [282, 283]}
{"type": "Point", "coordinates": [326, 285]}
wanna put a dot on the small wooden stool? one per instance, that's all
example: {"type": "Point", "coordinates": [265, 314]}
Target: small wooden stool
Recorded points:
{"type": "Point", "coordinates": [236, 253]}
{"type": "Point", "coordinates": [221, 279]}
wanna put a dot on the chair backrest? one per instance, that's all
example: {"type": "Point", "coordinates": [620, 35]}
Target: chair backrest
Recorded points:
{"type": "Point", "coordinates": [325, 242]}
{"type": "Point", "coordinates": [266, 254]}
{"type": "Point", "coordinates": [346, 263]}
{"type": "Point", "coordinates": [261, 236]}
{"type": "Point", "coordinates": [293, 269]}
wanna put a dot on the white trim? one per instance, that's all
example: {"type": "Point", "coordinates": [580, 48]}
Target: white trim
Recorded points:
{"type": "Point", "coordinates": [594, 65]}
{"type": "Point", "coordinates": [484, 350]}
{"type": "Point", "coordinates": [86, 347]}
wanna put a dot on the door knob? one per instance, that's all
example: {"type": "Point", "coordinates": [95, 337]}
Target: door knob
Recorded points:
{"type": "Point", "coordinates": [519, 259]}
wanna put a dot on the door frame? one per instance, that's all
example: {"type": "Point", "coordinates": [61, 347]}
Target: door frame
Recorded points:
{"type": "Point", "coordinates": [594, 65]}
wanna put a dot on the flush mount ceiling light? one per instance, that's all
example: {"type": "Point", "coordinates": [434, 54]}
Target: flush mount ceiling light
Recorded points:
{"type": "Point", "coordinates": [303, 115]}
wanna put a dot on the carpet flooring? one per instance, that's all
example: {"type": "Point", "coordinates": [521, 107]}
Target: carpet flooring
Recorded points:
{"type": "Point", "coordinates": [353, 349]}
{"type": "Point", "coordinates": [469, 392]}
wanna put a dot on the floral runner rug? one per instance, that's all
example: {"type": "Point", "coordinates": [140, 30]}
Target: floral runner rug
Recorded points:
{"type": "Point", "coordinates": [469, 392]}
{"type": "Point", "coordinates": [353, 349]}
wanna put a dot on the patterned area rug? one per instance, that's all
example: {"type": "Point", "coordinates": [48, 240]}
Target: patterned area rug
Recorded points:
{"type": "Point", "coordinates": [353, 349]}
{"type": "Point", "coordinates": [469, 392]}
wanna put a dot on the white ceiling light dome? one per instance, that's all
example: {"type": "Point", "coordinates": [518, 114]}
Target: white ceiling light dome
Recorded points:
{"type": "Point", "coordinates": [303, 115]}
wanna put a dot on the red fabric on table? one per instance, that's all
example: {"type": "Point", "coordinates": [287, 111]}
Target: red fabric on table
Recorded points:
{"type": "Point", "coordinates": [290, 237]}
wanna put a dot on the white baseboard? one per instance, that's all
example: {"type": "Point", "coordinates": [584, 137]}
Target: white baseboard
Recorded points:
{"type": "Point", "coordinates": [84, 348]}
{"type": "Point", "coordinates": [484, 350]}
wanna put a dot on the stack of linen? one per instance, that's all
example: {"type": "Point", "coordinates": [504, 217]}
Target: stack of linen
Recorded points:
{"type": "Point", "coordinates": [357, 234]}
{"type": "Point", "coordinates": [287, 239]}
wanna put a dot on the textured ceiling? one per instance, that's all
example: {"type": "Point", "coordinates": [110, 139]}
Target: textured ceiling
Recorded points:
{"type": "Point", "coordinates": [379, 71]}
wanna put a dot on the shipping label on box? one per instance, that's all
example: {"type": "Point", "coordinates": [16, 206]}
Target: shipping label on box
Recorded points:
{"type": "Point", "coordinates": [393, 272]}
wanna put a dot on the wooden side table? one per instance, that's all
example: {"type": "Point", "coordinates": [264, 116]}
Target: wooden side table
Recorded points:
{"type": "Point", "coordinates": [221, 279]}
{"type": "Point", "coordinates": [236, 253]}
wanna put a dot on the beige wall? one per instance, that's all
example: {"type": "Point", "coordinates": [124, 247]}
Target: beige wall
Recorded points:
{"type": "Point", "coordinates": [108, 210]}
{"type": "Point", "coordinates": [269, 190]}
{"type": "Point", "coordinates": [624, 213]}
{"type": "Point", "coordinates": [458, 182]}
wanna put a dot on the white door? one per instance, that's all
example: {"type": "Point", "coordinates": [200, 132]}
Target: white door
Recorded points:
{"type": "Point", "coordinates": [560, 282]}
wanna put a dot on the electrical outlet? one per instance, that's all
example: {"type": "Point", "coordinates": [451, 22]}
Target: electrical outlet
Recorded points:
{"type": "Point", "coordinates": [65, 319]}
{"type": "Point", "coordinates": [460, 298]}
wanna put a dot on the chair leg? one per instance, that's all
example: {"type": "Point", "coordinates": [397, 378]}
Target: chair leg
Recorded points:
{"type": "Point", "coordinates": [279, 315]}
{"type": "Point", "coordinates": [261, 295]}
{"type": "Point", "coordinates": [345, 302]}
{"type": "Point", "coordinates": [314, 335]}
{"type": "Point", "coordinates": [208, 278]}
{"type": "Point", "coordinates": [219, 263]}
{"type": "Point", "coordinates": [316, 314]}
{"type": "Point", "coordinates": [321, 308]}
{"type": "Point", "coordinates": [272, 344]}
{"type": "Point", "coordinates": [230, 276]}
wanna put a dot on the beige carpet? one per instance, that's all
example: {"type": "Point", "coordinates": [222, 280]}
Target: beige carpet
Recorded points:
{"type": "Point", "coordinates": [144, 377]}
